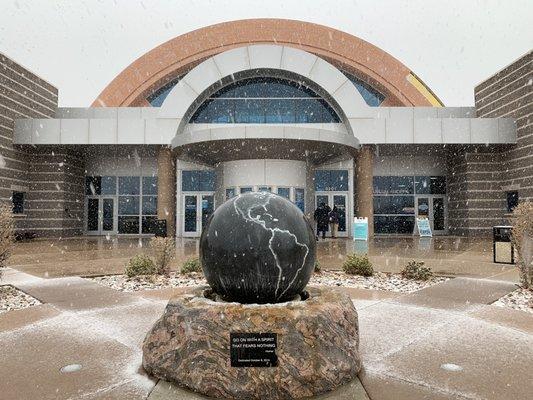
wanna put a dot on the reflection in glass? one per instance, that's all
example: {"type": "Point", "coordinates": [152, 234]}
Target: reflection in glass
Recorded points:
{"type": "Point", "coordinates": [284, 192]}
{"type": "Point", "coordinates": [129, 185]}
{"type": "Point", "coordinates": [128, 205]}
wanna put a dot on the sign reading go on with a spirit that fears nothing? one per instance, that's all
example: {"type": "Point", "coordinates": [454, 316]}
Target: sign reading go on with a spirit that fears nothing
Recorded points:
{"type": "Point", "coordinates": [253, 349]}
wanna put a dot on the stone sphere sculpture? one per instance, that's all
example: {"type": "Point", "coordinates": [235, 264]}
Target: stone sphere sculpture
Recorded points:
{"type": "Point", "coordinates": [258, 248]}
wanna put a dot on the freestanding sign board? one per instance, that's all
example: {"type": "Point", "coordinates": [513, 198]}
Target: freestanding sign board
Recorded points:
{"type": "Point", "coordinates": [360, 228]}
{"type": "Point", "coordinates": [424, 228]}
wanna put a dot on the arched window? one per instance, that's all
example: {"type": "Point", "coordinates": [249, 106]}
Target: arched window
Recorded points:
{"type": "Point", "coordinates": [265, 101]}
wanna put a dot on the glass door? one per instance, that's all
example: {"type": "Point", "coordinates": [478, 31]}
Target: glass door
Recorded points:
{"type": "Point", "coordinates": [101, 216]}
{"type": "Point", "coordinates": [338, 200]}
{"type": "Point", "coordinates": [438, 208]}
{"type": "Point", "coordinates": [197, 208]}
{"type": "Point", "coordinates": [434, 209]}
{"type": "Point", "coordinates": [93, 216]}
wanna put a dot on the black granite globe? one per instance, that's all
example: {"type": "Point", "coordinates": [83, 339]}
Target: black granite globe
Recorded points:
{"type": "Point", "coordinates": [258, 248]}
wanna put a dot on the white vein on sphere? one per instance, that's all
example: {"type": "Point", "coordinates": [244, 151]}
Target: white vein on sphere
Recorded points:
{"type": "Point", "coordinates": [257, 220]}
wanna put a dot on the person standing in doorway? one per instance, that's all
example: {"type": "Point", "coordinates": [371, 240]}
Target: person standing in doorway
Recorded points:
{"type": "Point", "coordinates": [322, 219]}
{"type": "Point", "coordinates": [334, 221]}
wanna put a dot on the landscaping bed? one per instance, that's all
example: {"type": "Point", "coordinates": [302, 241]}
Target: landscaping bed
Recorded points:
{"type": "Point", "coordinates": [379, 281]}
{"type": "Point", "coordinates": [520, 299]}
{"type": "Point", "coordinates": [13, 299]}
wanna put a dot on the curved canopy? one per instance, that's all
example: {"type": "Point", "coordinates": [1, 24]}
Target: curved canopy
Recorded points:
{"type": "Point", "coordinates": [173, 59]}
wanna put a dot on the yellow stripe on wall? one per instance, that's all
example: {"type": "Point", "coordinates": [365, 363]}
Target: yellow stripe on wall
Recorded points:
{"type": "Point", "coordinates": [422, 88]}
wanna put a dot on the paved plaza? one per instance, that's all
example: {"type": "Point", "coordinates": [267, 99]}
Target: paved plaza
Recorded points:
{"type": "Point", "coordinates": [86, 256]}
{"type": "Point", "coordinates": [443, 342]}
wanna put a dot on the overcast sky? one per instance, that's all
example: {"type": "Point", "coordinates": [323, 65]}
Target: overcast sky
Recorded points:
{"type": "Point", "coordinates": [80, 46]}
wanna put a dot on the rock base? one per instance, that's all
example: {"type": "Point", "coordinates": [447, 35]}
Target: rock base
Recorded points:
{"type": "Point", "coordinates": [317, 346]}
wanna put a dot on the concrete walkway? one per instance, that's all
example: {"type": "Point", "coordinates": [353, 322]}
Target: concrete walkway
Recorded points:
{"type": "Point", "coordinates": [406, 343]}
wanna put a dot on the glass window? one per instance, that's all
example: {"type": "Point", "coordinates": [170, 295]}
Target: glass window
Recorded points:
{"type": "Point", "coordinates": [198, 181]}
{"type": "Point", "coordinates": [430, 184]}
{"type": "Point", "coordinates": [247, 189]}
{"type": "Point", "coordinates": [284, 192]}
{"type": "Point", "coordinates": [129, 185]}
{"type": "Point", "coordinates": [128, 224]}
{"type": "Point", "coordinates": [371, 96]}
{"type": "Point", "coordinates": [109, 185]}
{"type": "Point", "coordinates": [265, 188]}
{"type": "Point", "coordinates": [149, 206]}
{"type": "Point", "coordinates": [265, 100]}
{"type": "Point", "coordinates": [128, 205]}
{"type": "Point", "coordinates": [149, 184]}
{"type": "Point", "coordinates": [394, 224]}
{"type": "Point", "coordinates": [394, 205]}
{"type": "Point", "coordinates": [230, 192]}
{"type": "Point", "coordinates": [331, 180]}
{"type": "Point", "coordinates": [512, 200]}
{"type": "Point", "coordinates": [299, 198]}
{"type": "Point", "coordinates": [393, 184]}
{"type": "Point", "coordinates": [18, 202]}
{"type": "Point", "coordinates": [148, 224]}
{"type": "Point", "coordinates": [93, 185]}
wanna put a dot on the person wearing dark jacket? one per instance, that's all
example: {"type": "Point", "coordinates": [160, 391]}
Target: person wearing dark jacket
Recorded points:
{"type": "Point", "coordinates": [334, 221]}
{"type": "Point", "coordinates": [322, 219]}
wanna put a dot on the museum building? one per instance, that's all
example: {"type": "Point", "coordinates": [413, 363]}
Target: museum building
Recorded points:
{"type": "Point", "coordinates": [298, 109]}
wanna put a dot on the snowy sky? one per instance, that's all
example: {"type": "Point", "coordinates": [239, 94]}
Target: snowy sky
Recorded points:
{"type": "Point", "coordinates": [80, 46]}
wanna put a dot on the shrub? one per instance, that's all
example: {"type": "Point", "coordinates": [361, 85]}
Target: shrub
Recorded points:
{"type": "Point", "coordinates": [356, 264]}
{"type": "Point", "coordinates": [163, 253]}
{"type": "Point", "coordinates": [140, 265]}
{"type": "Point", "coordinates": [318, 269]}
{"type": "Point", "coordinates": [6, 234]}
{"type": "Point", "coordinates": [522, 239]}
{"type": "Point", "coordinates": [191, 265]}
{"type": "Point", "coordinates": [417, 271]}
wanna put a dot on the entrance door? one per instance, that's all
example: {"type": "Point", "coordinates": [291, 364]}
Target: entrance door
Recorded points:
{"type": "Point", "coordinates": [338, 200]}
{"type": "Point", "coordinates": [197, 208]}
{"type": "Point", "coordinates": [101, 216]}
{"type": "Point", "coordinates": [433, 208]}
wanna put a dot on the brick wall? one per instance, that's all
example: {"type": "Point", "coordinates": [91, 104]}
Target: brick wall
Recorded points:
{"type": "Point", "coordinates": [52, 179]}
{"type": "Point", "coordinates": [509, 93]}
{"type": "Point", "coordinates": [475, 200]}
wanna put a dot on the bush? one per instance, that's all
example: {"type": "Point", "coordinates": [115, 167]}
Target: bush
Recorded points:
{"type": "Point", "coordinates": [356, 264]}
{"type": "Point", "coordinates": [140, 265]}
{"type": "Point", "coordinates": [164, 251]}
{"type": "Point", "coordinates": [417, 271]}
{"type": "Point", "coordinates": [318, 269]}
{"type": "Point", "coordinates": [191, 265]}
{"type": "Point", "coordinates": [6, 234]}
{"type": "Point", "coordinates": [522, 238]}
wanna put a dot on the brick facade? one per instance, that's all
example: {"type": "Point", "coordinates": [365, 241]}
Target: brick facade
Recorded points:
{"type": "Point", "coordinates": [51, 179]}
{"type": "Point", "coordinates": [480, 177]}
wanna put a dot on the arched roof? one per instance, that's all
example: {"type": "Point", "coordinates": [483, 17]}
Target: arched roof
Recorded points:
{"type": "Point", "coordinates": [179, 55]}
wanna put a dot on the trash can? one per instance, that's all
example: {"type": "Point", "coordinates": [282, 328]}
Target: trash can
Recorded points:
{"type": "Point", "coordinates": [160, 228]}
{"type": "Point", "coordinates": [502, 248]}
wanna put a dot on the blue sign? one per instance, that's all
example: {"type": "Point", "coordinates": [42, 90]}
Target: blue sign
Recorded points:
{"type": "Point", "coordinates": [360, 228]}
{"type": "Point", "coordinates": [424, 228]}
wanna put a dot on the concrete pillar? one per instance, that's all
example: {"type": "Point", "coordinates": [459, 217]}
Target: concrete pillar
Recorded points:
{"type": "Point", "coordinates": [364, 174]}
{"type": "Point", "coordinates": [166, 189]}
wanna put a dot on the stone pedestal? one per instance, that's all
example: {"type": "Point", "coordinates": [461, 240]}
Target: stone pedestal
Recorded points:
{"type": "Point", "coordinates": [317, 346]}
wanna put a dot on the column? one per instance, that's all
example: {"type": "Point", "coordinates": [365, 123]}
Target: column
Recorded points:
{"type": "Point", "coordinates": [364, 174]}
{"type": "Point", "coordinates": [166, 189]}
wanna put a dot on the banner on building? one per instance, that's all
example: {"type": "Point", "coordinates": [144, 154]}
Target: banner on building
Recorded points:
{"type": "Point", "coordinates": [360, 228]}
{"type": "Point", "coordinates": [423, 227]}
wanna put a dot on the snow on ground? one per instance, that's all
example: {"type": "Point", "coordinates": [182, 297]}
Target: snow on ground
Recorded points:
{"type": "Point", "coordinates": [379, 281]}
{"type": "Point", "coordinates": [13, 299]}
{"type": "Point", "coordinates": [520, 299]}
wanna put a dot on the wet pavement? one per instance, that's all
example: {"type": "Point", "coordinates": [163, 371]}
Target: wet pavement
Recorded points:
{"type": "Point", "coordinates": [442, 342]}
{"type": "Point", "coordinates": [84, 256]}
